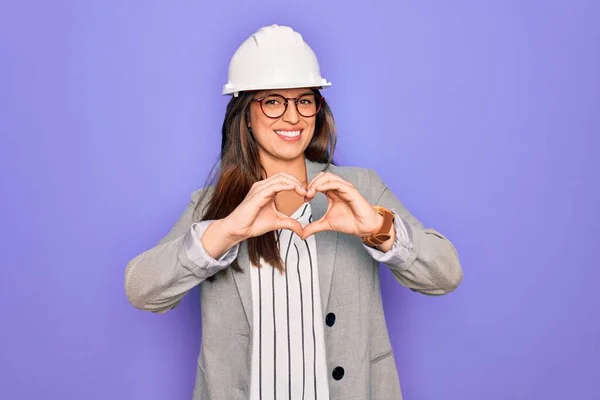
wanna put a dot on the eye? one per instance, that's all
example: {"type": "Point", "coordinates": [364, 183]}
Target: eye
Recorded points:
{"type": "Point", "coordinates": [306, 100]}
{"type": "Point", "coordinates": [274, 101]}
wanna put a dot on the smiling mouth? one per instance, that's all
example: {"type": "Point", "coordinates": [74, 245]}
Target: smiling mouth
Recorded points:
{"type": "Point", "coordinates": [289, 134]}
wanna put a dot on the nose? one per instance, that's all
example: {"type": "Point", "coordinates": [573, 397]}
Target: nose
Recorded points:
{"type": "Point", "coordinates": [291, 114]}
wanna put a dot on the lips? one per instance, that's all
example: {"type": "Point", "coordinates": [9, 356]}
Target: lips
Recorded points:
{"type": "Point", "coordinates": [289, 135]}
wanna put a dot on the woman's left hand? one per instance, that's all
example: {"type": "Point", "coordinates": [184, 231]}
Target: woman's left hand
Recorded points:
{"type": "Point", "coordinates": [348, 211]}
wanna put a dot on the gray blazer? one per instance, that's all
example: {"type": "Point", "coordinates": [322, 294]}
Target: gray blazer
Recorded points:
{"type": "Point", "coordinates": [157, 280]}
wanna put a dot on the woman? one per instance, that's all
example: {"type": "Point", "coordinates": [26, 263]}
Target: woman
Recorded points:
{"type": "Point", "coordinates": [286, 246]}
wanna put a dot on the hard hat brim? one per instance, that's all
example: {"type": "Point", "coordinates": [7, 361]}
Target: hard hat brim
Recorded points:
{"type": "Point", "coordinates": [232, 90]}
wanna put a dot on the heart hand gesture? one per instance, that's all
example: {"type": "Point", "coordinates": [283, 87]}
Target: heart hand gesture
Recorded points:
{"type": "Point", "coordinates": [257, 213]}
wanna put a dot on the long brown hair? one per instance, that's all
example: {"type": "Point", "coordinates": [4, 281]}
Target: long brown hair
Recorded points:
{"type": "Point", "coordinates": [239, 168]}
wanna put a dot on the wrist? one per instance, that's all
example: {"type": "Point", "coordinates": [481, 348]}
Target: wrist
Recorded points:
{"type": "Point", "coordinates": [380, 222]}
{"type": "Point", "coordinates": [227, 232]}
{"type": "Point", "coordinates": [217, 239]}
{"type": "Point", "coordinates": [378, 225]}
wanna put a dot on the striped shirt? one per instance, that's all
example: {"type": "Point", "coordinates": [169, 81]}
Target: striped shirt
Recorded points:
{"type": "Point", "coordinates": [288, 354]}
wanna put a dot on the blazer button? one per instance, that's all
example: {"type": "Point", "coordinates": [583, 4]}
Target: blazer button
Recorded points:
{"type": "Point", "coordinates": [330, 319]}
{"type": "Point", "coordinates": [338, 373]}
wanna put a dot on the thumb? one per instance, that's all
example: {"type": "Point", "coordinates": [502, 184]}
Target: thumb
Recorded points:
{"type": "Point", "coordinates": [315, 227]}
{"type": "Point", "coordinates": [290, 224]}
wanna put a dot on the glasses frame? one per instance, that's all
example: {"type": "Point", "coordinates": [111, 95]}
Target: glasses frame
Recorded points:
{"type": "Point", "coordinates": [318, 98]}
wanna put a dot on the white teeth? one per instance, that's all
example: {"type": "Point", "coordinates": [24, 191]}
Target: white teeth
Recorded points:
{"type": "Point", "coordinates": [288, 133]}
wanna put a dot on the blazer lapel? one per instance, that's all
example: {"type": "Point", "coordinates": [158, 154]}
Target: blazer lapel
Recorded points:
{"type": "Point", "coordinates": [326, 241]}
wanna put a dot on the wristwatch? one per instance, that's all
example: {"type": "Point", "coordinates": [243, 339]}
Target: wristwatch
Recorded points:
{"type": "Point", "coordinates": [383, 233]}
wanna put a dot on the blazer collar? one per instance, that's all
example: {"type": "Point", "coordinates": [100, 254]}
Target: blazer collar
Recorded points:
{"type": "Point", "coordinates": [326, 247]}
{"type": "Point", "coordinates": [326, 241]}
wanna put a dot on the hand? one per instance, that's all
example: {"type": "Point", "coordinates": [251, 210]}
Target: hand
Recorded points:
{"type": "Point", "coordinates": [348, 211]}
{"type": "Point", "coordinates": [257, 214]}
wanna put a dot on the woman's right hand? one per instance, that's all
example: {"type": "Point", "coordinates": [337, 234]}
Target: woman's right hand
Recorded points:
{"type": "Point", "coordinates": [257, 213]}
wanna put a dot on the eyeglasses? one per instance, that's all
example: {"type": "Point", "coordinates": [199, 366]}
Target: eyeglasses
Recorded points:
{"type": "Point", "coordinates": [275, 105]}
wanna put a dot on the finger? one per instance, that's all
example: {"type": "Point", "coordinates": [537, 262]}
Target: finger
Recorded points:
{"type": "Point", "coordinates": [312, 189]}
{"type": "Point", "coordinates": [292, 177]}
{"type": "Point", "coordinates": [348, 194]}
{"type": "Point", "coordinates": [265, 195]}
{"type": "Point", "coordinates": [315, 227]}
{"type": "Point", "coordinates": [274, 188]}
{"type": "Point", "coordinates": [290, 224]}
{"type": "Point", "coordinates": [340, 188]}
{"type": "Point", "coordinates": [280, 180]}
{"type": "Point", "coordinates": [322, 177]}
{"type": "Point", "coordinates": [282, 176]}
{"type": "Point", "coordinates": [326, 177]}
{"type": "Point", "coordinates": [259, 185]}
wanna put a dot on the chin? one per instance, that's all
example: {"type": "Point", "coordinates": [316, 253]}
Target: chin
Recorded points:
{"type": "Point", "coordinates": [290, 157]}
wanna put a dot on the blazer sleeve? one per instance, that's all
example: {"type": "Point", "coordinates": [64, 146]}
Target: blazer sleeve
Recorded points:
{"type": "Point", "coordinates": [157, 279]}
{"type": "Point", "coordinates": [421, 259]}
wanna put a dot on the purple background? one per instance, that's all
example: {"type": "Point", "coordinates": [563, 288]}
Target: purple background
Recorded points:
{"type": "Point", "coordinates": [482, 116]}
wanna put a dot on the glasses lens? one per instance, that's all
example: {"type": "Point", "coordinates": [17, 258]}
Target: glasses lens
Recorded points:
{"type": "Point", "coordinates": [308, 105]}
{"type": "Point", "coordinates": [273, 106]}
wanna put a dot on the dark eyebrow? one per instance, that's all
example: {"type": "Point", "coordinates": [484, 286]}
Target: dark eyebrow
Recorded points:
{"type": "Point", "coordinates": [279, 94]}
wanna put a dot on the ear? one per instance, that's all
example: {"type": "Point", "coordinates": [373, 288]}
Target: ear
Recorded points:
{"type": "Point", "coordinates": [247, 116]}
{"type": "Point", "coordinates": [246, 120]}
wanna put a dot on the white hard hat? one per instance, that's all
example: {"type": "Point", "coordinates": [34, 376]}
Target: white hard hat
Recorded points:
{"type": "Point", "coordinates": [275, 57]}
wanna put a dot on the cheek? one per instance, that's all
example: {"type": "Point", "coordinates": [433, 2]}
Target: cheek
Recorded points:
{"type": "Point", "coordinates": [311, 128]}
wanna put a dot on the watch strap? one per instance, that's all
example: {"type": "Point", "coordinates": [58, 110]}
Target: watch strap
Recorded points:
{"type": "Point", "coordinates": [383, 233]}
